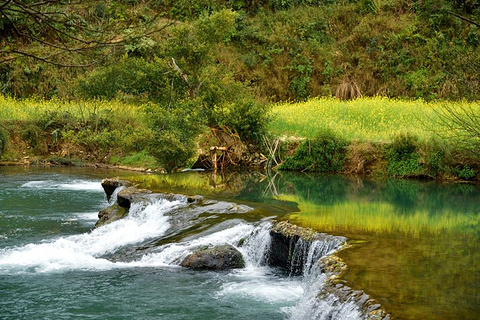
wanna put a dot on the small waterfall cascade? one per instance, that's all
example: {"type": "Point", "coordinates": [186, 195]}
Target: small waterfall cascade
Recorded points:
{"type": "Point", "coordinates": [314, 303]}
{"type": "Point", "coordinates": [323, 299]}
{"type": "Point", "coordinates": [256, 245]}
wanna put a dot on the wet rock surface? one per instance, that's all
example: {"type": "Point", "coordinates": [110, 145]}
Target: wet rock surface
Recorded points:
{"type": "Point", "coordinates": [223, 257]}
{"type": "Point", "coordinates": [290, 243]}
{"type": "Point", "coordinates": [110, 214]}
{"type": "Point", "coordinates": [110, 184]}
{"type": "Point", "coordinates": [334, 267]}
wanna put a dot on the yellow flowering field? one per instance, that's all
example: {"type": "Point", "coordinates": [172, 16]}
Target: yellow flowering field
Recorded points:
{"type": "Point", "coordinates": [364, 119]}
{"type": "Point", "coordinates": [33, 109]}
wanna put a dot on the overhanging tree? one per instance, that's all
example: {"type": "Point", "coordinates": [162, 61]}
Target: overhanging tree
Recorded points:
{"type": "Point", "coordinates": [71, 33]}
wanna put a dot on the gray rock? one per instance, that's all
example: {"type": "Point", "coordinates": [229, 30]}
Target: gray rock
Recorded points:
{"type": "Point", "coordinates": [110, 214]}
{"type": "Point", "coordinates": [110, 184]}
{"type": "Point", "coordinates": [223, 257]}
{"type": "Point", "coordinates": [131, 194]}
{"type": "Point", "coordinates": [290, 243]}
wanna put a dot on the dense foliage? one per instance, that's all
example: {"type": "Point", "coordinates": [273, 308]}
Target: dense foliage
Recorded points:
{"type": "Point", "coordinates": [280, 49]}
{"type": "Point", "coordinates": [324, 153]}
{"type": "Point", "coordinates": [189, 66]}
{"type": "Point", "coordinates": [3, 141]}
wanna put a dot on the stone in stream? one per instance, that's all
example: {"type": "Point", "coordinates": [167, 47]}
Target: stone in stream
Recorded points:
{"type": "Point", "coordinates": [110, 184]}
{"type": "Point", "coordinates": [291, 244]}
{"type": "Point", "coordinates": [110, 214]}
{"type": "Point", "coordinates": [222, 257]}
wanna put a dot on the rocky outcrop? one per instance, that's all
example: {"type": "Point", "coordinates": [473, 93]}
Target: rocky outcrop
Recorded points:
{"type": "Point", "coordinates": [334, 268]}
{"type": "Point", "coordinates": [127, 196]}
{"type": "Point", "coordinates": [290, 245]}
{"type": "Point", "coordinates": [110, 184]}
{"type": "Point", "coordinates": [295, 248]}
{"type": "Point", "coordinates": [123, 202]}
{"type": "Point", "coordinates": [110, 214]}
{"type": "Point", "coordinates": [223, 257]}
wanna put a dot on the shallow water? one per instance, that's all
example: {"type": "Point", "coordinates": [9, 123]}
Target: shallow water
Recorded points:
{"type": "Point", "coordinates": [415, 246]}
{"type": "Point", "coordinates": [53, 265]}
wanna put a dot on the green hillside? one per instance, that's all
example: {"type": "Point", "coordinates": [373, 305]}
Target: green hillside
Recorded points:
{"type": "Point", "coordinates": [280, 49]}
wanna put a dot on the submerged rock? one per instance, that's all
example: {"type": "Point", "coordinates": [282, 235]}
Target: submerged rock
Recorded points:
{"type": "Point", "coordinates": [110, 214]}
{"type": "Point", "coordinates": [223, 257]}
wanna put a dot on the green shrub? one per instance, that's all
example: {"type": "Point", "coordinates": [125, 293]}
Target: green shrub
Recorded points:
{"type": "Point", "coordinates": [34, 136]}
{"type": "Point", "coordinates": [133, 79]}
{"type": "Point", "coordinates": [436, 157]}
{"type": "Point", "coordinates": [174, 133]}
{"type": "Point", "coordinates": [464, 172]}
{"type": "Point", "coordinates": [402, 156]}
{"type": "Point", "coordinates": [325, 153]}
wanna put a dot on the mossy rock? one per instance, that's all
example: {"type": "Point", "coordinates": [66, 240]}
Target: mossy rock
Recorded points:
{"type": "Point", "coordinates": [222, 257]}
{"type": "Point", "coordinates": [111, 214]}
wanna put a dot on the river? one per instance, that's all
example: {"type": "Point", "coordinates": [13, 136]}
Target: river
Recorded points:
{"type": "Point", "coordinates": [414, 246]}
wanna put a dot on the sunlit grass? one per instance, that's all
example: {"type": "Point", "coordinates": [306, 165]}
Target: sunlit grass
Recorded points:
{"type": "Point", "coordinates": [33, 109]}
{"type": "Point", "coordinates": [376, 217]}
{"type": "Point", "coordinates": [365, 119]}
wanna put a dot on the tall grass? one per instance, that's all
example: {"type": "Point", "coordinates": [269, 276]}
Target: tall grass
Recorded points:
{"type": "Point", "coordinates": [34, 108]}
{"type": "Point", "coordinates": [376, 119]}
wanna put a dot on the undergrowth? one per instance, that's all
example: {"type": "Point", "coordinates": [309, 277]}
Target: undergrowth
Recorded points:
{"type": "Point", "coordinates": [324, 153]}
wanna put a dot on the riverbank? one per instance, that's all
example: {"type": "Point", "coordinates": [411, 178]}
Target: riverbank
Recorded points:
{"type": "Point", "coordinates": [370, 136]}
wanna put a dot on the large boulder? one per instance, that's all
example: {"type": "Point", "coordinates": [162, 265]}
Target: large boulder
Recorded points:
{"type": "Point", "coordinates": [222, 257]}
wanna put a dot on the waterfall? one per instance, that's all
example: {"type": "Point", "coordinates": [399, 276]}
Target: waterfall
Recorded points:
{"type": "Point", "coordinates": [255, 246]}
{"type": "Point", "coordinates": [313, 304]}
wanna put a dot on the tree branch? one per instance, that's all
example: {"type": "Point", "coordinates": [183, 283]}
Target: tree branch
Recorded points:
{"type": "Point", "coordinates": [464, 19]}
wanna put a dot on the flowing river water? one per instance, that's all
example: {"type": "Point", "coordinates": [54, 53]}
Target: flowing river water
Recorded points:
{"type": "Point", "coordinates": [414, 246]}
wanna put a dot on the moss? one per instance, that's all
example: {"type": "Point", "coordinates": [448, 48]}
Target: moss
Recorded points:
{"type": "Point", "coordinates": [111, 214]}
{"type": "Point", "coordinates": [291, 230]}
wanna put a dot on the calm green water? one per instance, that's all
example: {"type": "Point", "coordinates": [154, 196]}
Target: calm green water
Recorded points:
{"type": "Point", "coordinates": [415, 246]}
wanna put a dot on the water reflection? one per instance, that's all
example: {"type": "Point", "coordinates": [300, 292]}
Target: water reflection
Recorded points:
{"type": "Point", "coordinates": [415, 246]}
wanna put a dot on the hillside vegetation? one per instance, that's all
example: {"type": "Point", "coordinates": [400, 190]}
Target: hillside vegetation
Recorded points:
{"type": "Point", "coordinates": [282, 50]}
{"type": "Point", "coordinates": [155, 83]}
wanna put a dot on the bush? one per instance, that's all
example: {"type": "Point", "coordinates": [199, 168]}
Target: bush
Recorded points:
{"type": "Point", "coordinates": [464, 172]}
{"type": "Point", "coordinates": [134, 79]}
{"type": "Point", "coordinates": [402, 156]}
{"type": "Point", "coordinates": [174, 134]}
{"type": "Point", "coordinates": [325, 153]}
{"type": "Point", "coordinates": [35, 137]}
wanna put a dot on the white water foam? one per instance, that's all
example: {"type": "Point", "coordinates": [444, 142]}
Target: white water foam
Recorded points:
{"type": "Point", "coordinates": [268, 289]}
{"type": "Point", "coordinates": [86, 216]}
{"type": "Point", "coordinates": [310, 306]}
{"type": "Point", "coordinates": [145, 221]}
{"type": "Point", "coordinates": [75, 185]}
{"type": "Point", "coordinates": [172, 254]}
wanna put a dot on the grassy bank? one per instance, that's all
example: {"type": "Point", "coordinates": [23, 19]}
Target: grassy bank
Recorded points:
{"type": "Point", "coordinates": [381, 136]}
{"type": "Point", "coordinates": [82, 131]}
{"type": "Point", "coordinates": [377, 136]}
